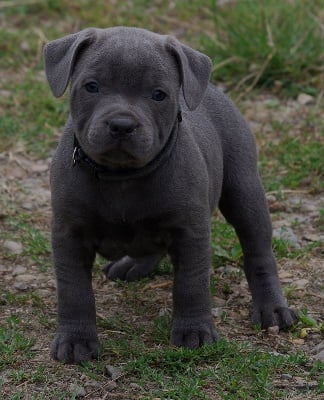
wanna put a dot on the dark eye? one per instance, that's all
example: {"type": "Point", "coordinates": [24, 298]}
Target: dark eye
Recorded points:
{"type": "Point", "coordinates": [92, 87]}
{"type": "Point", "coordinates": [158, 95]}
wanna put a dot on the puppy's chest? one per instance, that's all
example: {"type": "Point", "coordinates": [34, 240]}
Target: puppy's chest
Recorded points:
{"type": "Point", "coordinates": [135, 240]}
{"type": "Point", "coordinates": [132, 221]}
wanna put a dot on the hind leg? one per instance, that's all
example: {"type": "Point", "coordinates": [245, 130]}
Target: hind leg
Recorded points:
{"type": "Point", "coordinates": [244, 206]}
{"type": "Point", "coordinates": [131, 269]}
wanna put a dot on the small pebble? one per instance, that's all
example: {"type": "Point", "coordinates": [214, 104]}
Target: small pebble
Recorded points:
{"type": "Point", "coordinates": [310, 207]}
{"type": "Point", "coordinates": [13, 247]}
{"type": "Point", "coordinates": [28, 206]}
{"type": "Point", "coordinates": [304, 99]}
{"type": "Point", "coordinates": [111, 386]}
{"type": "Point", "coordinates": [21, 285]}
{"type": "Point", "coordinates": [287, 234]}
{"type": "Point", "coordinates": [229, 269]}
{"type": "Point", "coordinates": [27, 278]}
{"type": "Point", "coordinates": [301, 283]}
{"type": "Point", "coordinates": [112, 372]}
{"type": "Point", "coordinates": [164, 311]}
{"type": "Point", "coordinates": [24, 45]}
{"type": "Point", "coordinates": [286, 376]}
{"type": "Point", "coordinates": [216, 312]}
{"type": "Point", "coordinates": [19, 270]}
{"type": "Point", "coordinates": [135, 386]}
{"type": "Point", "coordinates": [320, 356]}
{"type": "Point", "coordinates": [76, 390]}
{"type": "Point", "coordinates": [318, 348]}
{"type": "Point", "coordinates": [3, 268]}
{"type": "Point", "coordinates": [273, 330]}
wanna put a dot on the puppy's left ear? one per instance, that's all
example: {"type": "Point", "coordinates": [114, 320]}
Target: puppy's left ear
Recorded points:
{"type": "Point", "coordinates": [194, 68]}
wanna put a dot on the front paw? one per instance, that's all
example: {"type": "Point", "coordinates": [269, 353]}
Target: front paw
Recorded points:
{"type": "Point", "coordinates": [193, 332]}
{"type": "Point", "coordinates": [268, 315]}
{"type": "Point", "coordinates": [74, 347]}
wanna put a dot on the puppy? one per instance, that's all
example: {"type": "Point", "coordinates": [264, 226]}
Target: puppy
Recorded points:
{"type": "Point", "coordinates": [149, 150]}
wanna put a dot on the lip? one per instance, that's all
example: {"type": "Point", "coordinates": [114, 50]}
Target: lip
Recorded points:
{"type": "Point", "coordinates": [119, 159]}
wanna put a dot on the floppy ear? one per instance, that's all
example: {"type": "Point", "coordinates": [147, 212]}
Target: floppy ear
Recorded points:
{"type": "Point", "coordinates": [60, 56]}
{"type": "Point", "coordinates": [194, 68]}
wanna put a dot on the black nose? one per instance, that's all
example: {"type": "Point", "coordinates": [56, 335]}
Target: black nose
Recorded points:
{"type": "Point", "coordinates": [122, 126]}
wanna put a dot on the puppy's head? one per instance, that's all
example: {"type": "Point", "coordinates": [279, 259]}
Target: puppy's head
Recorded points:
{"type": "Point", "coordinates": [125, 85]}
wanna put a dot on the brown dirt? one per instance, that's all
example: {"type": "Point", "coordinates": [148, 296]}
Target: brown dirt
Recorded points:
{"type": "Point", "coordinates": [25, 190]}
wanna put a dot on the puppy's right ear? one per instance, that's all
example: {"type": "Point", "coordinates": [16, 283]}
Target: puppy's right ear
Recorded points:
{"type": "Point", "coordinates": [60, 56]}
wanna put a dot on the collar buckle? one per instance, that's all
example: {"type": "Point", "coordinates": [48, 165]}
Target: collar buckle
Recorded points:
{"type": "Point", "coordinates": [74, 156]}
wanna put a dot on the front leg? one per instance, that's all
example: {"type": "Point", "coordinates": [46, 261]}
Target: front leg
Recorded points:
{"type": "Point", "coordinates": [76, 338]}
{"type": "Point", "coordinates": [193, 324]}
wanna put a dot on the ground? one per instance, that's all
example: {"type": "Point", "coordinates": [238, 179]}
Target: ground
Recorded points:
{"type": "Point", "coordinates": [28, 302]}
{"type": "Point", "coordinates": [268, 56]}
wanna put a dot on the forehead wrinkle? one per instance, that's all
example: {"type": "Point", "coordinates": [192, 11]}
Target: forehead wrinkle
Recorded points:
{"type": "Point", "coordinates": [126, 72]}
{"type": "Point", "coordinates": [129, 59]}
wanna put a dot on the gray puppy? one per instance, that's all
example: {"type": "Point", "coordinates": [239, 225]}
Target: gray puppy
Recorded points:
{"type": "Point", "coordinates": [134, 178]}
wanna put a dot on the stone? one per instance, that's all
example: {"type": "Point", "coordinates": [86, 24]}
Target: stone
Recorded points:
{"type": "Point", "coordinates": [285, 275]}
{"type": "Point", "coordinates": [21, 285]}
{"type": "Point", "coordinates": [28, 206]}
{"type": "Point", "coordinates": [44, 292]}
{"type": "Point", "coordinates": [309, 207]}
{"type": "Point", "coordinates": [318, 348]}
{"type": "Point", "coordinates": [301, 283]}
{"type": "Point", "coordinates": [164, 311]}
{"type": "Point", "coordinates": [24, 45]}
{"type": "Point", "coordinates": [135, 386]}
{"type": "Point", "coordinates": [13, 247]}
{"type": "Point", "coordinates": [219, 301]}
{"type": "Point", "coordinates": [216, 312]}
{"type": "Point", "coordinates": [39, 167]}
{"type": "Point", "coordinates": [19, 270]}
{"type": "Point", "coordinates": [229, 269]}
{"type": "Point", "coordinates": [26, 278]}
{"type": "Point", "coordinates": [305, 99]}
{"type": "Point", "coordinates": [286, 376]}
{"type": "Point", "coordinates": [312, 237]}
{"type": "Point", "coordinates": [5, 93]}
{"type": "Point", "coordinates": [3, 268]}
{"type": "Point", "coordinates": [287, 234]}
{"type": "Point", "coordinates": [271, 198]}
{"type": "Point", "coordinates": [111, 386]}
{"type": "Point", "coordinates": [76, 390]}
{"type": "Point", "coordinates": [273, 330]}
{"type": "Point", "coordinates": [112, 372]}
{"type": "Point", "coordinates": [320, 356]}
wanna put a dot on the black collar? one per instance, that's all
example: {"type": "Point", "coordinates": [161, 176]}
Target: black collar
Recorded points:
{"type": "Point", "coordinates": [105, 173]}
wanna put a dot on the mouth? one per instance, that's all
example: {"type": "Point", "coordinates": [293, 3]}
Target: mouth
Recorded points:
{"type": "Point", "coordinates": [119, 159]}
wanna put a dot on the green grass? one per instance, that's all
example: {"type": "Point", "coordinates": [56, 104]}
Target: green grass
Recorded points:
{"type": "Point", "coordinates": [21, 227]}
{"type": "Point", "coordinates": [227, 249]}
{"type": "Point", "coordinates": [183, 374]}
{"type": "Point", "coordinates": [15, 345]}
{"type": "Point", "coordinates": [260, 43]}
{"type": "Point", "coordinates": [293, 162]}
{"type": "Point", "coordinates": [9, 298]}
{"type": "Point", "coordinates": [240, 30]}
{"type": "Point", "coordinates": [237, 370]}
{"type": "Point", "coordinates": [22, 114]}
{"type": "Point", "coordinates": [269, 44]}
{"type": "Point", "coordinates": [225, 244]}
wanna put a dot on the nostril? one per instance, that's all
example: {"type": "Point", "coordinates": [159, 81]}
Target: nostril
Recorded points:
{"type": "Point", "coordinates": [122, 126]}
